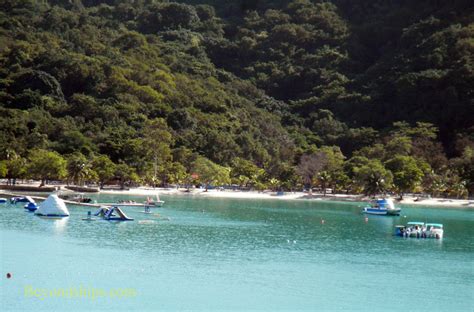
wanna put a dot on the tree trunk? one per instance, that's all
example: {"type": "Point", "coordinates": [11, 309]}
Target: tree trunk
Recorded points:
{"type": "Point", "coordinates": [164, 180]}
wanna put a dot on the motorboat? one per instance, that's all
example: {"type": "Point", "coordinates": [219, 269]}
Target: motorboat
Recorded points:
{"type": "Point", "coordinates": [382, 206]}
{"type": "Point", "coordinates": [412, 229]}
{"type": "Point", "coordinates": [420, 230]}
{"type": "Point", "coordinates": [434, 230]}
{"type": "Point", "coordinates": [3, 200]}
{"type": "Point", "coordinates": [400, 230]}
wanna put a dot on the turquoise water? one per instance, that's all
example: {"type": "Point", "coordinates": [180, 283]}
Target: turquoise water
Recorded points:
{"type": "Point", "coordinates": [228, 254]}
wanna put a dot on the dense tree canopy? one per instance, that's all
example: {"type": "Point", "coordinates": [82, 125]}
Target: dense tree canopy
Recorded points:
{"type": "Point", "coordinates": [349, 95]}
{"type": "Point", "coordinates": [46, 165]}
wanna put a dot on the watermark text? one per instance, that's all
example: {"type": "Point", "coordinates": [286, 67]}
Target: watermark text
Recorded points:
{"type": "Point", "coordinates": [81, 292]}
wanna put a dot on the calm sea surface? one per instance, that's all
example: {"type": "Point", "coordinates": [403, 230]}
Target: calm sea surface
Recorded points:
{"type": "Point", "coordinates": [228, 254]}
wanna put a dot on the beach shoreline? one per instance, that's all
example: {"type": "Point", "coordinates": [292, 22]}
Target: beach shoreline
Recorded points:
{"type": "Point", "coordinates": [238, 194]}
{"type": "Point", "coordinates": [231, 194]}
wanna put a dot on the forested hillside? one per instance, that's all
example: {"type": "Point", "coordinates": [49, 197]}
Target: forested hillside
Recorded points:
{"type": "Point", "coordinates": [354, 95]}
{"type": "Point", "coordinates": [371, 63]}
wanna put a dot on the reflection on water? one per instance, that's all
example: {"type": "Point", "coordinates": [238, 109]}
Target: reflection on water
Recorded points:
{"type": "Point", "coordinates": [60, 225]}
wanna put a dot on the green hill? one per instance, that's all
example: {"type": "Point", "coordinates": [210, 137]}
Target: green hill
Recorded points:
{"type": "Point", "coordinates": [163, 89]}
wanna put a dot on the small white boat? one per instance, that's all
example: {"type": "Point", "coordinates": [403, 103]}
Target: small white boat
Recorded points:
{"type": "Point", "coordinates": [420, 230]}
{"type": "Point", "coordinates": [383, 206]}
{"type": "Point", "coordinates": [414, 229]}
{"type": "Point", "coordinates": [434, 230]}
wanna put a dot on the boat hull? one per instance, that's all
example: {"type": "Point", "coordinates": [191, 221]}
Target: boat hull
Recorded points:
{"type": "Point", "coordinates": [394, 212]}
{"type": "Point", "coordinates": [375, 211]}
{"type": "Point", "coordinates": [382, 212]}
{"type": "Point", "coordinates": [419, 234]}
{"type": "Point", "coordinates": [435, 234]}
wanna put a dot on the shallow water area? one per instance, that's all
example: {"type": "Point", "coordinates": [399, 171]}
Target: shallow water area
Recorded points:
{"type": "Point", "coordinates": [240, 254]}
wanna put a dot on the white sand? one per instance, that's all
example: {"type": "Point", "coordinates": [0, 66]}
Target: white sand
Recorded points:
{"type": "Point", "coordinates": [147, 191]}
{"type": "Point", "coordinates": [442, 202]}
{"type": "Point", "coordinates": [445, 202]}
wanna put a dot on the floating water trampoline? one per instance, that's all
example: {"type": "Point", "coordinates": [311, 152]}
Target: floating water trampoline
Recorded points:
{"type": "Point", "coordinates": [53, 207]}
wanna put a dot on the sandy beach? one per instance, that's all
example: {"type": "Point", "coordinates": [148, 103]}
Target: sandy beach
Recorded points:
{"type": "Point", "coordinates": [148, 191]}
{"type": "Point", "coordinates": [407, 200]}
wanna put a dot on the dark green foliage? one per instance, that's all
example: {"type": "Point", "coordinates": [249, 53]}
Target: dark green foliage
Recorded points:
{"type": "Point", "coordinates": [36, 80]}
{"type": "Point", "coordinates": [369, 62]}
{"type": "Point", "coordinates": [90, 78]}
{"type": "Point", "coordinates": [254, 84]}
